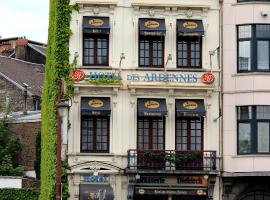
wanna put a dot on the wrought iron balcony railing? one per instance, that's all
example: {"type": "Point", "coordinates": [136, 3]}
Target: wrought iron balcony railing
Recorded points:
{"type": "Point", "coordinates": [171, 160]}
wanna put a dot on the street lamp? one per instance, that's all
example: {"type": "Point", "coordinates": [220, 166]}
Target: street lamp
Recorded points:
{"type": "Point", "coordinates": [62, 111]}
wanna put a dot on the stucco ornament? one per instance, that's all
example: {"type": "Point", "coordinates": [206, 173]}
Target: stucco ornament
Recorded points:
{"type": "Point", "coordinates": [189, 13]}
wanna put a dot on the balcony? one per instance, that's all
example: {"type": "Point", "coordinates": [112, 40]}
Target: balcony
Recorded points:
{"type": "Point", "coordinates": [170, 160]}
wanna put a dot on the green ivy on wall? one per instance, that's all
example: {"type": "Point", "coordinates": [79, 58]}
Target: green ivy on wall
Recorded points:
{"type": "Point", "coordinates": [57, 67]}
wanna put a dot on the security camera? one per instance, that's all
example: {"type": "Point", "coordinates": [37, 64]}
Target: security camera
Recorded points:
{"type": "Point", "coordinates": [264, 13]}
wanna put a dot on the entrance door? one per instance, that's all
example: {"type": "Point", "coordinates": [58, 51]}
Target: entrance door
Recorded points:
{"type": "Point", "coordinates": [189, 143]}
{"type": "Point", "coordinates": [151, 142]}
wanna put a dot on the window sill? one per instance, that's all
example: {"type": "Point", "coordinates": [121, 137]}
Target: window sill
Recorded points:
{"type": "Point", "coordinates": [251, 74]}
{"type": "Point", "coordinates": [97, 67]}
{"type": "Point", "coordinates": [171, 69]}
{"type": "Point", "coordinates": [250, 2]}
{"type": "Point", "coordinates": [91, 154]}
{"type": "Point", "coordinates": [261, 155]}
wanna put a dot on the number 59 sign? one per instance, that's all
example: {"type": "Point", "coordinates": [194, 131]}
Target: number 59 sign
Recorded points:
{"type": "Point", "coordinates": [208, 78]}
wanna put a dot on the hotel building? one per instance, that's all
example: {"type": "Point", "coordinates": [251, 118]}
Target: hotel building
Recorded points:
{"type": "Point", "coordinates": [145, 116]}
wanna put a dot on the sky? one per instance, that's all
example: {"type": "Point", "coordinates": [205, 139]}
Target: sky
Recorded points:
{"type": "Point", "coordinates": [27, 18]}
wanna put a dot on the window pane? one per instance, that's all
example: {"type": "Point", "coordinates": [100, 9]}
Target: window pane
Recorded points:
{"type": "Point", "coordinates": [244, 31]}
{"type": "Point", "coordinates": [263, 112]}
{"type": "Point", "coordinates": [263, 31]}
{"type": "Point", "coordinates": [263, 137]}
{"type": "Point", "coordinates": [244, 112]}
{"type": "Point", "coordinates": [244, 138]}
{"type": "Point", "coordinates": [244, 57]}
{"type": "Point", "coordinates": [263, 55]}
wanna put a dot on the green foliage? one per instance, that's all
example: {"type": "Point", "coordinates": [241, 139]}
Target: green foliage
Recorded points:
{"type": "Point", "coordinates": [18, 194]}
{"type": "Point", "coordinates": [64, 178]}
{"type": "Point", "coordinates": [7, 168]}
{"type": "Point", "coordinates": [105, 82]}
{"type": "Point", "coordinates": [9, 149]}
{"type": "Point", "coordinates": [57, 67]}
{"type": "Point", "coordinates": [38, 154]}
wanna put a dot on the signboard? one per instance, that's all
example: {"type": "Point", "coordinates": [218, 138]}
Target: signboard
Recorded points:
{"type": "Point", "coordinates": [206, 78]}
{"type": "Point", "coordinates": [170, 191]}
{"type": "Point", "coordinates": [77, 75]}
{"type": "Point", "coordinates": [95, 179]}
{"type": "Point", "coordinates": [190, 105]}
{"type": "Point", "coordinates": [152, 104]}
{"type": "Point", "coordinates": [95, 103]}
{"type": "Point", "coordinates": [151, 24]}
{"type": "Point", "coordinates": [190, 25]}
{"type": "Point", "coordinates": [96, 22]}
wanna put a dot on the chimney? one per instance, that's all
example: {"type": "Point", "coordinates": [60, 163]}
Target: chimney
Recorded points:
{"type": "Point", "coordinates": [21, 48]}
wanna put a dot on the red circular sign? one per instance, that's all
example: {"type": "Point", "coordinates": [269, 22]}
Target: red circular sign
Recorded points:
{"type": "Point", "coordinates": [77, 75]}
{"type": "Point", "coordinates": [208, 78]}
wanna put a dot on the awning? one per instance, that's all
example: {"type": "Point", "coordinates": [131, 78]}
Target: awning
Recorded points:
{"type": "Point", "coordinates": [96, 106]}
{"type": "Point", "coordinates": [152, 27]}
{"type": "Point", "coordinates": [187, 27]}
{"type": "Point", "coordinates": [96, 25]}
{"type": "Point", "coordinates": [190, 108]}
{"type": "Point", "coordinates": [152, 107]}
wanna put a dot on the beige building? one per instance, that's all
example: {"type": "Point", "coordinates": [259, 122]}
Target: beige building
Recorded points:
{"type": "Point", "coordinates": [246, 79]}
{"type": "Point", "coordinates": [145, 116]}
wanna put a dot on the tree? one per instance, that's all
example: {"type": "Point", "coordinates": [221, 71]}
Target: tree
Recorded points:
{"type": "Point", "coordinates": [9, 149]}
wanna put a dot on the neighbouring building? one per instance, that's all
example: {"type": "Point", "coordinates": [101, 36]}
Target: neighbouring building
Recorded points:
{"type": "Point", "coordinates": [20, 85]}
{"type": "Point", "coordinates": [246, 105]}
{"type": "Point", "coordinates": [145, 116]}
{"type": "Point", "coordinates": [23, 49]}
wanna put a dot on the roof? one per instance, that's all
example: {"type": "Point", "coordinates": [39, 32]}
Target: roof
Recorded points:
{"type": "Point", "coordinates": [16, 38]}
{"type": "Point", "coordinates": [19, 72]}
{"type": "Point", "coordinates": [38, 48]}
{"type": "Point", "coordinates": [32, 116]}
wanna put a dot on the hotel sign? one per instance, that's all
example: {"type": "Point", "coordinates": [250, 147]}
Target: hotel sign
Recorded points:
{"type": "Point", "coordinates": [206, 78]}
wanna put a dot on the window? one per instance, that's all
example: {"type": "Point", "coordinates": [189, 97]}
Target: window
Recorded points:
{"type": "Point", "coordinates": [151, 51]}
{"type": "Point", "coordinates": [253, 48]}
{"type": "Point", "coordinates": [253, 124]}
{"type": "Point", "coordinates": [189, 134]}
{"type": "Point", "coordinates": [95, 133]}
{"type": "Point", "coordinates": [151, 133]}
{"type": "Point", "coordinates": [95, 49]}
{"type": "Point", "coordinates": [189, 52]}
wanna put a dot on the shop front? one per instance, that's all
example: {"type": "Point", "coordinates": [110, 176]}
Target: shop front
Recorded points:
{"type": "Point", "coordinates": [168, 187]}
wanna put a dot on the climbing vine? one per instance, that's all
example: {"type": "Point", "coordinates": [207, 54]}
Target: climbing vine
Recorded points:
{"type": "Point", "coordinates": [57, 68]}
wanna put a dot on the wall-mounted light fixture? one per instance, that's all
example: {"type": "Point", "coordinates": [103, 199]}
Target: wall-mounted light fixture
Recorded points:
{"type": "Point", "coordinates": [122, 57]}
{"type": "Point", "coordinates": [169, 58]}
{"type": "Point", "coordinates": [76, 54]}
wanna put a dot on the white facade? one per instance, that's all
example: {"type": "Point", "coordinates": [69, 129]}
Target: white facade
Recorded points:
{"type": "Point", "coordinates": [123, 39]}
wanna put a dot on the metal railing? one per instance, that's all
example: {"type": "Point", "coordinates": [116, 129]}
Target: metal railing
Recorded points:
{"type": "Point", "coordinates": [171, 160]}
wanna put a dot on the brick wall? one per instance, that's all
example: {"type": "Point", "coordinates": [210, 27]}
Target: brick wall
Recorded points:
{"type": "Point", "coordinates": [26, 131]}
{"type": "Point", "coordinates": [15, 95]}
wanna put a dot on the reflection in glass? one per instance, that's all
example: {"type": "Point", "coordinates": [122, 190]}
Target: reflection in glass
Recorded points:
{"type": "Point", "coordinates": [263, 137]}
{"type": "Point", "coordinates": [263, 55]}
{"type": "Point", "coordinates": [244, 57]}
{"type": "Point", "coordinates": [244, 138]}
